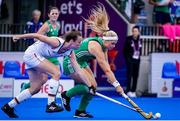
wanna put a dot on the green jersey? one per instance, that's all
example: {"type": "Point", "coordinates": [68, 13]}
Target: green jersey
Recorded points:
{"type": "Point", "coordinates": [164, 9]}
{"type": "Point", "coordinates": [53, 32]}
{"type": "Point", "coordinates": [83, 56]}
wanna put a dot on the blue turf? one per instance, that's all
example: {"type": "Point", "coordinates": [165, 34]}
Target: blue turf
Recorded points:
{"type": "Point", "coordinates": [101, 109]}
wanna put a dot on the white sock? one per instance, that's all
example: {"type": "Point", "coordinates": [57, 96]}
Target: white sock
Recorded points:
{"type": "Point", "coordinates": [21, 97]}
{"type": "Point", "coordinates": [52, 90]}
{"type": "Point", "coordinates": [12, 103]}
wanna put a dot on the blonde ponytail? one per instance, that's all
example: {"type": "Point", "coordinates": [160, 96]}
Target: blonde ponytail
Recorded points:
{"type": "Point", "coordinates": [98, 20]}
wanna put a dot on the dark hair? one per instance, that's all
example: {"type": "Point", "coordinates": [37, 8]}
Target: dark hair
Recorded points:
{"type": "Point", "coordinates": [72, 35]}
{"type": "Point", "coordinates": [51, 8]}
{"type": "Point", "coordinates": [136, 27]}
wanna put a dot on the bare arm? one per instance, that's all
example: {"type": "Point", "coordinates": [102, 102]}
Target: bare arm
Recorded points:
{"type": "Point", "coordinates": [94, 67]}
{"type": "Point", "coordinates": [78, 69]}
{"type": "Point", "coordinates": [44, 29]}
{"type": "Point", "coordinates": [152, 2]}
{"type": "Point", "coordinates": [51, 41]}
{"type": "Point", "coordinates": [97, 51]}
{"type": "Point", "coordinates": [159, 3]}
{"type": "Point", "coordinates": [106, 56]}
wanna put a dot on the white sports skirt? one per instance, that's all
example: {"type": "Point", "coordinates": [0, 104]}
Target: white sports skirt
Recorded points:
{"type": "Point", "coordinates": [32, 58]}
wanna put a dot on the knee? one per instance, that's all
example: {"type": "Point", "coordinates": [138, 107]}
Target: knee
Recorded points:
{"type": "Point", "coordinates": [84, 88]}
{"type": "Point", "coordinates": [56, 75]}
{"type": "Point", "coordinates": [45, 78]}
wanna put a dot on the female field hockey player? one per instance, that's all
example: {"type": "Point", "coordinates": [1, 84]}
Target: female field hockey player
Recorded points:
{"type": "Point", "coordinates": [37, 65]}
{"type": "Point", "coordinates": [50, 28]}
{"type": "Point", "coordinates": [90, 48]}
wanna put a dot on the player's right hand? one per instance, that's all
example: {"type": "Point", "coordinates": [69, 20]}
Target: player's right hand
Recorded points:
{"type": "Point", "coordinates": [92, 90]}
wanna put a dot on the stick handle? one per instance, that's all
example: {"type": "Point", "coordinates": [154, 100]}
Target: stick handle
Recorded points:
{"type": "Point", "coordinates": [115, 101]}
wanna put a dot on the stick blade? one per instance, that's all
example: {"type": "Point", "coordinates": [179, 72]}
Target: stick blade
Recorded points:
{"type": "Point", "coordinates": [149, 115]}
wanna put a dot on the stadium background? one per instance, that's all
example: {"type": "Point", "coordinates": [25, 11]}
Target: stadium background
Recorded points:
{"type": "Point", "coordinates": [150, 82]}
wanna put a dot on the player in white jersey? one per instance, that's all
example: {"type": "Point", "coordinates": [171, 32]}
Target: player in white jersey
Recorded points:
{"type": "Point", "coordinates": [38, 65]}
{"type": "Point", "coordinates": [39, 50]}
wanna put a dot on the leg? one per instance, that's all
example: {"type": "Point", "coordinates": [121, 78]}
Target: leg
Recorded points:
{"type": "Point", "coordinates": [76, 90]}
{"type": "Point", "coordinates": [129, 75]}
{"type": "Point", "coordinates": [47, 67]}
{"type": "Point", "coordinates": [80, 89]}
{"type": "Point", "coordinates": [9, 108]}
{"type": "Point", "coordinates": [51, 96]}
{"type": "Point", "coordinates": [36, 83]}
{"type": "Point", "coordinates": [44, 67]}
{"type": "Point", "coordinates": [27, 85]}
{"type": "Point", "coordinates": [53, 85]}
{"type": "Point", "coordinates": [135, 75]}
{"type": "Point", "coordinates": [81, 112]}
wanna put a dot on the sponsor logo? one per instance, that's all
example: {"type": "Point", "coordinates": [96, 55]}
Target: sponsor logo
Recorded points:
{"type": "Point", "coordinates": [44, 88]}
{"type": "Point", "coordinates": [5, 86]}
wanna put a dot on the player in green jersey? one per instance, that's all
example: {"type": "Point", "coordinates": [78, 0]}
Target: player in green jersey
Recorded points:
{"type": "Point", "coordinates": [93, 47]}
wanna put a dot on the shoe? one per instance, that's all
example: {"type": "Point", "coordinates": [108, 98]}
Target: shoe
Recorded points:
{"type": "Point", "coordinates": [53, 107]}
{"type": "Point", "coordinates": [9, 111]}
{"type": "Point", "coordinates": [131, 94]}
{"type": "Point", "coordinates": [24, 86]}
{"type": "Point", "coordinates": [82, 114]}
{"type": "Point", "coordinates": [65, 101]}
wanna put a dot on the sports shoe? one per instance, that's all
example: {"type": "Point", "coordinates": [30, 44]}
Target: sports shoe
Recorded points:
{"type": "Point", "coordinates": [65, 101]}
{"type": "Point", "coordinates": [53, 107]}
{"type": "Point", "coordinates": [24, 86]}
{"type": "Point", "coordinates": [131, 94]}
{"type": "Point", "coordinates": [9, 111]}
{"type": "Point", "coordinates": [82, 114]}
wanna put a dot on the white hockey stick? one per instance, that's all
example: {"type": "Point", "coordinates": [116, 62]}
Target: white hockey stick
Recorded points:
{"type": "Point", "coordinates": [136, 108]}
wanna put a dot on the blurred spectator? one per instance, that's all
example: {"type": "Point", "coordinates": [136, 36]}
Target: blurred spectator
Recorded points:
{"type": "Point", "coordinates": [161, 16]}
{"type": "Point", "coordinates": [132, 53]}
{"type": "Point", "coordinates": [161, 11]}
{"type": "Point", "coordinates": [33, 25]}
{"type": "Point", "coordinates": [4, 12]}
{"type": "Point", "coordinates": [137, 7]}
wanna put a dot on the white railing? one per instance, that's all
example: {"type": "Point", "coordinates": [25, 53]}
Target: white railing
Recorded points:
{"type": "Point", "coordinates": [153, 40]}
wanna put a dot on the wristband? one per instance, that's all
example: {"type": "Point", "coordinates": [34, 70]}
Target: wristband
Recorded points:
{"type": "Point", "coordinates": [116, 84]}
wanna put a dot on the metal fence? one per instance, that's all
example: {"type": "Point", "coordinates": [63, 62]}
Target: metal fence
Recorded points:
{"type": "Point", "coordinates": [153, 39]}
{"type": "Point", "coordinates": [6, 33]}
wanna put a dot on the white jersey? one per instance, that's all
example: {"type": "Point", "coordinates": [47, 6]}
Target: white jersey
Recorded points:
{"type": "Point", "coordinates": [38, 51]}
{"type": "Point", "coordinates": [46, 50]}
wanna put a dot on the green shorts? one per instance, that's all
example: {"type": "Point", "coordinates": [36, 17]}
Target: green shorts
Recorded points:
{"type": "Point", "coordinates": [68, 68]}
{"type": "Point", "coordinates": [53, 60]}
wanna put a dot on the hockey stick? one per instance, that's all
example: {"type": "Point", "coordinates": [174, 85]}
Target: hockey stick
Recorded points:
{"type": "Point", "coordinates": [139, 110]}
{"type": "Point", "coordinates": [136, 108]}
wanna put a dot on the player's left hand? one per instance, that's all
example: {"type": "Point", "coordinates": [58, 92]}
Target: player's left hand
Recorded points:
{"type": "Point", "coordinates": [15, 38]}
{"type": "Point", "coordinates": [119, 89]}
